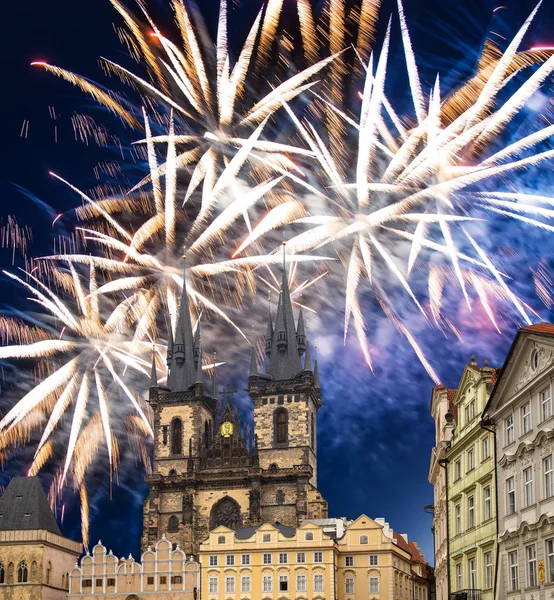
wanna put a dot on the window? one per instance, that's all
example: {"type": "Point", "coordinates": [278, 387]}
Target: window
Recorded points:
{"type": "Point", "coordinates": [283, 583]}
{"type": "Point", "coordinates": [300, 557]}
{"type": "Point", "coordinates": [318, 557]}
{"type": "Point", "coordinates": [373, 560]}
{"type": "Point", "coordinates": [176, 436]}
{"type": "Point", "coordinates": [472, 574]}
{"type": "Point", "coordinates": [245, 584]}
{"type": "Point", "coordinates": [301, 583]}
{"type": "Point", "coordinates": [281, 426]}
{"type": "Point", "coordinates": [149, 581]}
{"type": "Point", "coordinates": [510, 496]}
{"type": "Point", "coordinates": [23, 573]}
{"type": "Point", "coordinates": [348, 561]}
{"type": "Point", "coordinates": [280, 497]}
{"type": "Point", "coordinates": [49, 574]}
{"type": "Point", "coordinates": [267, 583]}
{"type": "Point", "coordinates": [488, 569]}
{"type": "Point", "coordinates": [176, 579]}
{"type": "Point", "coordinates": [267, 559]}
{"type": "Point", "coordinates": [213, 585]}
{"type": "Point", "coordinates": [318, 583]}
{"type": "Point", "coordinates": [470, 512]}
{"type": "Point", "coordinates": [526, 418]}
{"type": "Point", "coordinates": [221, 539]}
{"type": "Point", "coordinates": [509, 423]}
{"type": "Point", "coordinates": [363, 539]}
{"type": "Point", "coordinates": [531, 553]}
{"type": "Point", "coordinates": [459, 575]}
{"type": "Point", "coordinates": [230, 560]}
{"type": "Point", "coordinates": [230, 584]}
{"type": "Point", "coordinates": [283, 558]}
{"type": "Point", "coordinates": [548, 479]}
{"type": "Point", "coordinates": [550, 560]}
{"type": "Point", "coordinates": [470, 460]}
{"type": "Point", "coordinates": [245, 559]}
{"type": "Point", "coordinates": [487, 503]}
{"type": "Point", "coordinates": [98, 583]}
{"type": "Point", "coordinates": [514, 572]}
{"type": "Point", "coordinates": [2, 574]}
{"type": "Point", "coordinates": [374, 585]}
{"type": "Point", "coordinates": [110, 582]}
{"type": "Point", "coordinates": [485, 448]}
{"type": "Point", "coordinates": [213, 561]}
{"type": "Point", "coordinates": [535, 360]}
{"type": "Point", "coordinates": [173, 524]}
{"type": "Point", "coordinates": [87, 583]}
{"type": "Point", "coordinates": [546, 405]}
{"type": "Point", "coordinates": [349, 585]}
{"type": "Point", "coordinates": [163, 580]}
{"type": "Point", "coordinates": [528, 485]}
{"type": "Point", "coordinates": [466, 414]}
{"type": "Point", "coordinates": [458, 470]}
{"type": "Point", "coordinates": [309, 536]}
{"type": "Point", "coordinates": [266, 537]}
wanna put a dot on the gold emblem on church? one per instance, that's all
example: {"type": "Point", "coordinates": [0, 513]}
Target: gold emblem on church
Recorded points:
{"type": "Point", "coordinates": [227, 429]}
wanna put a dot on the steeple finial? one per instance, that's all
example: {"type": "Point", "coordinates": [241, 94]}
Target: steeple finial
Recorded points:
{"type": "Point", "coordinates": [253, 362]}
{"type": "Point", "coordinates": [308, 358]}
{"type": "Point", "coordinates": [301, 334]}
{"type": "Point", "coordinates": [199, 372]}
{"type": "Point", "coordinates": [316, 375]}
{"type": "Point", "coordinates": [153, 372]}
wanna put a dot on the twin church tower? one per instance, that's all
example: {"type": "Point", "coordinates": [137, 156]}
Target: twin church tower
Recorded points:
{"type": "Point", "coordinates": [209, 467]}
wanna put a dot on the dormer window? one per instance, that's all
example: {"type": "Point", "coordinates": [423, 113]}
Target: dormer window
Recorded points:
{"type": "Point", "coordinates": [221, 539]}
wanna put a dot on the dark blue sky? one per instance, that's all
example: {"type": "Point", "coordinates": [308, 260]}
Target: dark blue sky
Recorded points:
{"type": "Point", "coordinates": [375, 433]}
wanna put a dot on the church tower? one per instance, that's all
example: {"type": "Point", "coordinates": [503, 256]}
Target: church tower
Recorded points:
{"type": "Point", "coordinates": [209, 467]}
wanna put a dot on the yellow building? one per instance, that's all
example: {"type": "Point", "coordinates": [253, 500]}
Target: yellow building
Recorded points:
{"type": "Point", "coordinates": [35, 559]}
{"type": "Point", "coordinates": [369, 561]}
{"type": "Point", "coordinates": [164, 572]}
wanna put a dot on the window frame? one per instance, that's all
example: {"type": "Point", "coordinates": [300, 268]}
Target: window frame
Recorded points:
{"type": "Point", "coordinates": [528, 495]}
{"type": "Point", "coordinates": [511, 501]}
{"type": "Point", "coordinates": [459, 576]}
{"type": "Point", "coordinates": [509, 430]}
{"type": "Point", "coordinates": [349, 561]}
{"type": "Point", "coordinates": [471, 512]}
{"type": "Point", "coordinates": [265, 560]}
{"type": "Point", "coordinates": [514, 570]}
{"type": "Point", "coordinates": [470, 459]}
{"type": "Point", "coordinates": [283, 579]}
{"type": "Point", "coordinates": [548, 476]}
{"type": "Point", "coordinates": [373, 560]}
{"type": "Point", "coordinates": [485, 447]}
{"type": "Point", "coordinates": [375, 580]}
{"type": "Point", "coordinates": [301, 558]}
{"type": "Point", "coordinates": [283, 558]}
{"type": "Point", "coordinates": [546, 401]}
{"type": "Point", "coordinates": [318, 555]}
{"type": "Point", "coordinates": [245, 589]}
{"type": "Point", "coordinates": [248, 559]}
{"type": "Point", "coordinates": [549, 555]}
{"type": "Point", "coordinates": [487, 506]}
{"type": "Point", "coordinates": [213, 560]}
{"type": "Point", "coordinates": [487, 559]}
{"type": "Point", "coordinates": [301, 577]}
{"type": "Point", "coordinates": [526, 424]}
{"type": "Point", "coordinates": [364, 540]}
{"type": "Point", "coordinates": [230, 579]}
{"type": "Point", "coordinates": [318, 577]}
{"type": "Point", "coordinates": [349, 585]}
{"type": "Point", "coordinates": [531, 559]}
{"type": "Point", "coordinates": [230, 560]}
{"type": "Point", "coordinates": [267, 583]}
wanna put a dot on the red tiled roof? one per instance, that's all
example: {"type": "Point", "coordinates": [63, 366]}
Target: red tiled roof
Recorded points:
{"type": "Point", "coordinates": [494, 376]}
{"type": "Point", "coordinates": [547, 328]}
{"type": "Point", "coordinates": [414, 551]}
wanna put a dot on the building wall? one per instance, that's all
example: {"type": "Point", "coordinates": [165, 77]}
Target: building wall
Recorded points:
{"type": "Point", "coordinates": [162, 573]}
{"type": "Point", "coordinates": [472, 543]}
{"type": "Point", "coordinates": [529, 526]}
{"type": "Point", "coordinates": [40, 550]}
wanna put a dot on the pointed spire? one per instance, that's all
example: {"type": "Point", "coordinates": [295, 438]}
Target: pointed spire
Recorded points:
{"type": "Point", "coordinates": [316, 375]}
{"type": "Point", "coordinates": [253, 362]}
{"type": "Point", "coordinates": [196, 344]}
{"type": "Point", "coordinates": [153, 372]}
{"type": "Point", "coordinates": [308, 359]}
{"type": "Point", "coordinates": [199, 372]}
{"type": "Point", "coordinates": [301, 334]}
{"type": "Point", "coordinates": [284, 361]}
{"type": "Point", "coordinates": [169, 345]}
{"type": "Point", "coordinates": [269, 332]}
{"type": "Point", "coordinates": [183, 370]}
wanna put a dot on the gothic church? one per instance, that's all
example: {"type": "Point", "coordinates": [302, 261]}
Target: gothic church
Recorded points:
{"type": "Point", "coordinates": [209, 468]}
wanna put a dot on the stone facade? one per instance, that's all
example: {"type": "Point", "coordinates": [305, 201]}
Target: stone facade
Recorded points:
{"type": "Point", "coordinates": [521, 411]}
{"type": "Point", "coordinates": [162, 572]}
{"type": "Point", "coordinates": [209, 467]}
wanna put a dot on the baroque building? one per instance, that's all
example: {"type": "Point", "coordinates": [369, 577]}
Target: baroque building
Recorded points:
{"type": "Point", "coordinates": [520, 409]}
{"type": "Point", "coordinates": [35, 559]}
{"type": "Point", "coordinates": [209, 467]}
{"type": "Point", "coordinates": [463, 473]}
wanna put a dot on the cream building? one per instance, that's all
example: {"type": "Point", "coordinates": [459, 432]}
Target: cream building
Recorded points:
{"type": "Point", "coordinates": [521, 410]}
{"type": "Point", "coordinates": [164, 572]}
{"type": "Point", "coordinates": [35, 559]}
{"type": "Point", "coordinates": [443, 415]}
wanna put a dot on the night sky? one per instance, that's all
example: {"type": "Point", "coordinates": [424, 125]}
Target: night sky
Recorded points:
{"type": "Point", "coordinates": [375, 432]}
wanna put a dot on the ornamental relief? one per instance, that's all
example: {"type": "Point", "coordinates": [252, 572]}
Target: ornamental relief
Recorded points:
{"type": "Point", "coordinates": [511, 543]}
{"type": "Point", "coordinates": [546, 448]}
{"type": "Point", "coordinates": [510, 467]}
{"type": "Point", "coordinates": [527, 458]}
{"type": "Point", "coordinates": [544, 358]}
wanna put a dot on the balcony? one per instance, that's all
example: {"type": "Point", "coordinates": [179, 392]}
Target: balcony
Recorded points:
{"type": "Point", "coordinates": [466, 595]}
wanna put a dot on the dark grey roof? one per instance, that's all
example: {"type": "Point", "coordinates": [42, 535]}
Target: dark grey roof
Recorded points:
{"type": "Point", "coordinates": [248, 532]}
{"type": "Point", "coordinates": [24, 505]}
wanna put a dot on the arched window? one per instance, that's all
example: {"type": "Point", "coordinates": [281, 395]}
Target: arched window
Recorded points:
{"type": "Point", "coordinates": [309, 536]}
{"type": "Point", "coordinates": [176, 436]}
{"type": "Point", "coordinates": [173, 524]}
{"type": "Point", "coordinates": [280, 497]}
{"type": "Point", "coordinates": [63, 580]}
{"type": "Point", "coordinates": [226, 512]}
{"type": "Point", "coordinates": [363, 539]}
{"type": "Point", "coordinates": [49, 573]}
{"type": "Point", "coordinates": [10, 573]}
{"type": "Point", "coordinates": [22, 572]}
{"type": "Point", "coordinates": [67, 581]}
{"type": "Point", "coordinates": [281, 426]}
{"type": "Point", "coordinates": [172, 472]}
{"type": "Point", "coordinates": [2, 573]}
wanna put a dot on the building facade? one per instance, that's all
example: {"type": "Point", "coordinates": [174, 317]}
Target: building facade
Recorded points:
{"type": "Point", "coordinates": [471, 489]}
{"type": "Point", "coordinates": [369, 561]}
{"type": "Point", "coordinates": [209, 468]}
{"type": "Point", "coordinates": [520, 409]}
{"type": "Point", "coordinates": [35, 559]}
{"type": "Point", "coordinates": [164, 572]}
{"type": "Point", "coordinates": [442, 411]}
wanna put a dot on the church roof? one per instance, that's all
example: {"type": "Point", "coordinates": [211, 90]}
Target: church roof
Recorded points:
{"type": "Point", "coordinates": [24, 506]}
